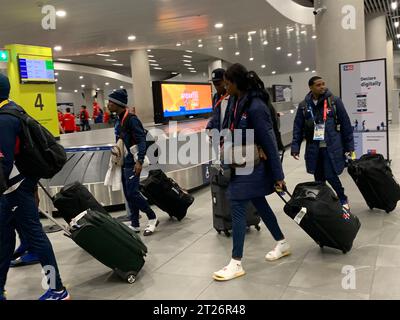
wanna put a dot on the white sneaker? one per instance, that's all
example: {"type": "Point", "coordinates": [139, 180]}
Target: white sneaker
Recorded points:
{"type": "Point", "coordinates": [281, 250]}
{"type": "Point", "coordinates": [151, 227]}
{"type": "Point", "coordinates": [233, 270]}
{"type": "Point", "coordinates": [136, 229]}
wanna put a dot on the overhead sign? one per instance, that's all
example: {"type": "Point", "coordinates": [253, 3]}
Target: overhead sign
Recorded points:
{"type": "Point", "coordinates": [364, 93]}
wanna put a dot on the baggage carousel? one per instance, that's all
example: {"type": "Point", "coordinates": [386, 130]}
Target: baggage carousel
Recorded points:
{"type": "Point", "coordinates": [89, 155]}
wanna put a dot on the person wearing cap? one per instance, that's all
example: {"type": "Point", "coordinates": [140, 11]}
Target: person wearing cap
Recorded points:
{"type": "Point", "coordinates": [18, 209]}
{"type": "Point", "coordinates": [221, 102]}
{"type": "Point", "coordinates": [129, 128]}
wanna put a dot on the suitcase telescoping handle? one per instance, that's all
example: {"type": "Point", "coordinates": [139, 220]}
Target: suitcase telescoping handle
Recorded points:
{"type": "Point", "coordinates": [67, 232]}
{"type": "Point", "coordinates": [45, 191]}
{"type": "Point", "coordinates": [285, 191]}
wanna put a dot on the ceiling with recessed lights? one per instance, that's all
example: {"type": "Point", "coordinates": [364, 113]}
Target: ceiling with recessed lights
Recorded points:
{"type": "Point", "coordinates": [208, 27]}
{"type": "Point", "coordinates": [251, 32]}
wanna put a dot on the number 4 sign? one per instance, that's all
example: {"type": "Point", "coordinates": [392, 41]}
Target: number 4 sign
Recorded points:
{"type": "Point", "coordinates": [39, 102]}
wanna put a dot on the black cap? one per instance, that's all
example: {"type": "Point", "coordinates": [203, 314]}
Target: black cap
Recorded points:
{"type": "Point", "coordinates": [218, 74]}
{"type": "Point", "coordinates": [4, 87]}
{"type": "Point", "coordinates": [120, 97]}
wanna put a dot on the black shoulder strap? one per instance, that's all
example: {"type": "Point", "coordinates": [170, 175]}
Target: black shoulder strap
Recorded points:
{"type": "Point", "coordinates": [14, 112]}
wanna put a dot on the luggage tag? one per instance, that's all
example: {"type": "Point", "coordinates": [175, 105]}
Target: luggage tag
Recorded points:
{"type": "Point", "coordinates": [300, 215]}
{"type": "Point", "coordinates": [319, 132]}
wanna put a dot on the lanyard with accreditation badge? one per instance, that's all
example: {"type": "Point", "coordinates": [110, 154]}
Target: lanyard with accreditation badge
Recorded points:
{"type": "Point", "coordinates": [319, 129]}
{"type": "Point", "coordinates": [4, 103]}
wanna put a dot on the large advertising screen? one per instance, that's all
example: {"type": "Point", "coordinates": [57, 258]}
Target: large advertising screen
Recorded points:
{"type": "Point", "coordinates": [186, 99]}
{"type": "Point", "coordinates": [35, 69]}
{"type": "Point", "coordinates": [363, 91]}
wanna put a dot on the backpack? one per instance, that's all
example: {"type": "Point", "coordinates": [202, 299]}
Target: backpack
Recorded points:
{"type": "Point", "coordinates": [40, 155]}
{"type": "Point", "coordinates": [276, 125]}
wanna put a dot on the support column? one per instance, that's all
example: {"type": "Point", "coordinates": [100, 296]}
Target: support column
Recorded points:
{"type": "Point", "coordinates": [341, 37]}
{"type": "Point", "coordinates": [89, 94]}
{"type": "Point", "coordinates": [375, 36]}
{"type": "Point", "coordinates": [142, 98]}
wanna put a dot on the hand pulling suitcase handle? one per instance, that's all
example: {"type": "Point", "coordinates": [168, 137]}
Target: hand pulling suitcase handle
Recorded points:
{"type": "Point", "coordinates": [285, 190]}
{"type": "Point", "coordinates": [57, 223]}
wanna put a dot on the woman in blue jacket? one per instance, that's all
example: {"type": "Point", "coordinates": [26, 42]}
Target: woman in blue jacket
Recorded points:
{"type": "Point", "coordinates": [250, 112]}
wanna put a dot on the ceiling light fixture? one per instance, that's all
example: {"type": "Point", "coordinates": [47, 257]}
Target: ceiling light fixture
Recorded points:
{"type": "Point", "coordinates": [190, 57]}
{"type": "Point", "coordinates": [200, 45]}
{"type": "Point", "coordinates": [265, 42]}
{"type": "Point", "coordinates": [56, 74]}
{"type": "Point", "coordinates": [189, 51]}
{"type": "Point", "coordinates": [154, 64]}
{"type": "Point", "coordinates": [81, 77]}
{"type": "Point", "coordinates": [299, 62]}
{"type": "Point", "coordinates": [191, 68]}
{"type": "Point", "coordinates": [174, 73]}
{"type": "Point", "coordinates": [107, 83]}
{"type": "Point", "coordinates": [121, 87]}
{"type": "Point", "coordinates": [148, 50]}
{"type": "Point", "coordinates": [289, 54]}
{"type": "Point", "coordinates": [132, 38]}
{"type": "Point", "coordinates": [58, 48]}
{"type": "Point", "coordinates": [188, 61]}
{"type": "Point", "coordinates": [64, 60]}
{"type": "Point", "coordinates": [237, 53]}
{"type": "Point", "coordinates": [153, 61]}
{"type": "Point", "coordinates": [273, 72]}
{"type": "Point", "coordinates": [231, 37]}
{"type": "Point", "coordinates": [118, 64]}
{"type": "Point", "coordinates": [59, 88]}
{"type": "Point", "coordinates": [263, 66]}
{"type": "Point", "coordinates": [304, 32]}
{"type": "Point", "coordinates": [252, 32]}
{"type": "Point", "coordinates": [193, 71]}
{"type": "Point", "coordinates": [76, 91]}
{"type": "Point", "coordinates": [83, 86]}
{"type": "Point", "coordinates": [219, 25]}
{"type": "Point", "coordinates": [158, 68]}
{"type": "Point", "coordinates": [221, 48]}
{"type": "Point", "coordinates": [307, 69]}
{"type": "Point", "coordinates": [111, 60]}
{"type": "Point", "coordinates": [313, 71]}
{"type": "Point", "coordinates": [251, 59]}
{"type": "Point", "coordinates": [102, 55]}
{"type": "Point", "coordinates": [187, 65]}
{"type": "Point", "coordinates": [279, 48]}
{"type": "Point", "coordinates": [314, 37]}
{"type": "Point", "coordinates": [179, 44]}
{"type": "Point", "coordinates": [150, 56]}
{"type": "Point", "coordinates": [396, 24]}
{"type": "Point", "coordinates": [394, 5]}
{"type": "Point", "coordinates": [61, 13]}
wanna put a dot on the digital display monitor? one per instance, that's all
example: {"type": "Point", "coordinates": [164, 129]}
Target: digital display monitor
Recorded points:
{"type": "Point", "coordinates": [178, 100]}
{"type": "Point", "coordinates": [35, 69]}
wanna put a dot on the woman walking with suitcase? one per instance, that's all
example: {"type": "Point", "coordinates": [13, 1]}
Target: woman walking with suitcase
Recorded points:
{"type": "Point", "coordinates": [250, 112]}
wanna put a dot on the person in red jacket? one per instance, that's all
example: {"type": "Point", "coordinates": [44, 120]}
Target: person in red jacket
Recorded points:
{"type": "Point", "coordinates": [96, 110]}
{"type": "Point", "coordinates": [84, 117]}
{"type": "Point", "coordinates": [69, 121]}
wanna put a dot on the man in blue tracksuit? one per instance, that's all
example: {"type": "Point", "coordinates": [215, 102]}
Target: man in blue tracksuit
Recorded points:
{"type": "Point", "coordinates": [18, 209]}
{"type": "Point", "coordinates": [221, 102]}
{"type": "Point", "coordinates": [323, 120]}
{"type": "Point", "coordinates": [129, 128]}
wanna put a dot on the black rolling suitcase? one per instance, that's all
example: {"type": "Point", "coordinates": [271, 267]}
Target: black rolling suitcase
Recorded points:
{"type": "Point", "coordinates": [315, 207]}
{"type": "Point", "coordinates": [166, 194]}
{"type": "Point", "coordinates": [375, 180]}
{"type": "Point", "coordinates": [109, 241]}
{"type": "Point", "coordinates": [222, 219]}
{"type": "Point", "coordinates": [73, 199]}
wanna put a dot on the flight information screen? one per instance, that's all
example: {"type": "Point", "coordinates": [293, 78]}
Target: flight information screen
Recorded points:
{"type": "Point", "coordinates": [36, 69]}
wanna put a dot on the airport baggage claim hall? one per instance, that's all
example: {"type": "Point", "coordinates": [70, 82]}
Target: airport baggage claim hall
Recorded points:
{"type": "Point", "coordinates": [142, 205]}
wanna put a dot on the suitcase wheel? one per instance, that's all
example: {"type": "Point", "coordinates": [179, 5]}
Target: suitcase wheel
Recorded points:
{"type": "Point", "coordinates": [227, 233]}
{"type": "Point", "coordinates": [258, 228]}
{"type": "Point", "coordinates": [131, 279]}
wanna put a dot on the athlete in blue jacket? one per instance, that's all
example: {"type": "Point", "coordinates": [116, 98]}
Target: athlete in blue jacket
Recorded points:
{"type": "Point", "coordinates": [18, 208]}
{"type": "Point", "coordinates": [323, 120]}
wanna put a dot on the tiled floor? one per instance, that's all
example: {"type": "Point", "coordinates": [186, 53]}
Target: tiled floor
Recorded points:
{"type": "Point", "coordinates": [183, 255]}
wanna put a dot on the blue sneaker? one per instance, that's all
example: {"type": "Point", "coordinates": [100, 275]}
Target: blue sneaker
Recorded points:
{"type": "Point", "coordinates": [21, 250]}
{"type": "Point", "coordinates": [25, 260]}
{"type": "Point", "coordinates": [55, 295]}
{"type": "Point", "coordinates": [3, 296]}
